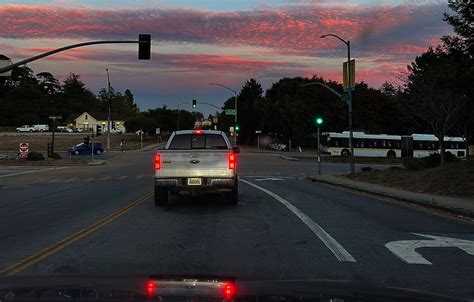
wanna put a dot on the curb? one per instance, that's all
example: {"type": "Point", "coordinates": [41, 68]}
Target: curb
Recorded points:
{"type": "Point", "coordinates": [425, 203]}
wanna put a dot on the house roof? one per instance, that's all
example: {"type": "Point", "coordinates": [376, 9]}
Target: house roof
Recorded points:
{"type": "Point", "coordinates": [100, 116]}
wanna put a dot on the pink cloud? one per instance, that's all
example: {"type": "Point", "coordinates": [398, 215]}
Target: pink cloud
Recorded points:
{"type": "Point", "coordinates": [289, 28]}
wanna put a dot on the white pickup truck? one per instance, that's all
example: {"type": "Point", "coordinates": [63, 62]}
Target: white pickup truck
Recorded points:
{"type": "Point", "coordinates": [196, 161]}
{"type": "Point", "coordinates": [25, 128]}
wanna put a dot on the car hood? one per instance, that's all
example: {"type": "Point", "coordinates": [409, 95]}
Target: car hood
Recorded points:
{"type": "Point", "coordinates": [206, 288]}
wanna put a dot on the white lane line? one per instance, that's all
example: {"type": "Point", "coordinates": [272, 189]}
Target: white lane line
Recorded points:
{"type": "Point", "coordinates": [331, 243]}
{"type": "Point", "coordinates": [32, 171]}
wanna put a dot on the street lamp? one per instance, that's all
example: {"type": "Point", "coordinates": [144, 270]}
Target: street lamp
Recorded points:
{"type": "Point", "coordinates": [349, 101]}
{"type": "Point", "coordinates": [319, 122]}
{"type": "Point", "coordinates": [109, 99]}
{"type": "Point", "coordinates": [235, 105]}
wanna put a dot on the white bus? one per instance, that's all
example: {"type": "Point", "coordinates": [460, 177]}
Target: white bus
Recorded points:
{"type": "Point", "coordinates": [391, 146]}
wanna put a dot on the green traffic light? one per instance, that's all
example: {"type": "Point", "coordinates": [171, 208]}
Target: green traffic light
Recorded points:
{"type": "Point", "coordinates": [237, 127]}
{"type": "Point", "coordinates": [319, 121]}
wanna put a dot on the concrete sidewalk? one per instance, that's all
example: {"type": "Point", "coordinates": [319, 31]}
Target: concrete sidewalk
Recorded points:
{"type": "Point", "coordinates": [463, 206]}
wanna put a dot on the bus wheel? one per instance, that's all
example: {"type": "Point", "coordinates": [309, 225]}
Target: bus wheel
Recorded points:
{"type": "Point", "coordinates": [391, 154]}
{"type": "Point", "coordinates": [345, 153]}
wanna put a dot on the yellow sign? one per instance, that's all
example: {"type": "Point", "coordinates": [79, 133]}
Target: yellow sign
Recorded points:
{"type": "Point", "coordinates": [215, 120]}
{"type": "Point", "coordinates": [345, 79]}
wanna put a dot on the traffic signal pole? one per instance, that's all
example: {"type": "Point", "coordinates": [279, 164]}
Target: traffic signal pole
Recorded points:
{"type": "Point", "coordinates": [319, 154]}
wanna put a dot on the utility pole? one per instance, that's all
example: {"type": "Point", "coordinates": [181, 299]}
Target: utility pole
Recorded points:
{"type": "Point", "coordinates": [53, 124]}
{"type": "Point", "coordinates": [235, 105]}
{"type": "Point", "coordinates": [109, 98]}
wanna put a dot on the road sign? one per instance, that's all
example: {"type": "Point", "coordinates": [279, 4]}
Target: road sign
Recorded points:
{"type": "Point", "coordinates": [4, 63]}
{"type": "Point", "coordinates": [230, 111]}
{"type": "Point", "coordinates": [406, 249]}
{"type": "Point", "coordinates": [231, 129]}
{"type": "Point", "coordinates": [24, 150]}
{"type": "Point", "coordinates": [215, 120]}
{"type": "Point", "coordinates": [258, 131]}
{"type": "Point", "coordinates": [345, 81]}
{"type": "Point", "coordinates": [158, 130]}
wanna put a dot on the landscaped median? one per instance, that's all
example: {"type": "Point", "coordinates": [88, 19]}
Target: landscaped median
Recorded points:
{"type": "Point", "coordinates": [450, 188]}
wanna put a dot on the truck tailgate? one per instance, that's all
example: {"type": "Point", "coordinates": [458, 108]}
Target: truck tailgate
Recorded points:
{"type": "Point", "coordinates": [199, 163]}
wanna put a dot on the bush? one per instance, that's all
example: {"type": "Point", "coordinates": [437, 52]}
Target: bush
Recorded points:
{"type": "Point", "coordinates": [55, 155]}
{"type": "Point", "coordinates": [366, 169]}
{"type": "Point", "coordinates": [431, 161]}
{"type": "Point", "coordinates": [414, 163]}
{"type": "Point", "coordinates": [33, 155]}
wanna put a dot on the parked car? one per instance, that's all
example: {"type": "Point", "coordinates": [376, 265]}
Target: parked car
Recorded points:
{"type": "Point", "coordinates": [114, 131]}
{"type": "Point", "coordinates": [40, 128]}
{"type": "Point", "coordinates": [63, 129]}
{"type": "Point", "coordinates": [25, 128]}
{"type": "Point", "coordinates": [78, 130]}
{"type": "Point", "coordinates": [86, 149]}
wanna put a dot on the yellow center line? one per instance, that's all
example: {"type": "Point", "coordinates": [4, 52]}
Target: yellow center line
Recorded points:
{"type": "Point", "coordinates": [56, 247]}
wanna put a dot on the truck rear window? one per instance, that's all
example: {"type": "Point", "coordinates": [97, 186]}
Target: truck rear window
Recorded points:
{"type": "Point", "coordinates": [202, 141]}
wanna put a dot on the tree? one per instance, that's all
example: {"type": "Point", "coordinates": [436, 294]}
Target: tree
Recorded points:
{"type": "Point", "coordinates": [250, 95]}
{"type": "Point", "coordinates": [433, 91]}
{"type": "Point", "coordinates": [76, 97]}
{"type": "Point", "coordinates": [462, 22]}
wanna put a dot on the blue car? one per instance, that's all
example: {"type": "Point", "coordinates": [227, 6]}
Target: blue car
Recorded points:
{"type": "Point", "coordinates": [86, 149]}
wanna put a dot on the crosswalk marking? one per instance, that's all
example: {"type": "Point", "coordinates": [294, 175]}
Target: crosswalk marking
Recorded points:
{"type": "Point", "coordinates": [90, 179]}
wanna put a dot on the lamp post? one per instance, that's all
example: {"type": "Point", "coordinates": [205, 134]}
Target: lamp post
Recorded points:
{"type": "Point", "coordinates": [235, 105]}
{"type": "Point", "coordinates": [349, 95]}
{"type": "Point", "coordinates": [109, 99]}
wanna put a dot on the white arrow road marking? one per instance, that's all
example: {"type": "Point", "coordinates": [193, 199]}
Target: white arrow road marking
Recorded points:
{"type": "Point", "coordinates": [331, 243]}
{"type": "Point", "coordinates": [406, 249]}
{"type": "Point", "coordinates": [269, 178]}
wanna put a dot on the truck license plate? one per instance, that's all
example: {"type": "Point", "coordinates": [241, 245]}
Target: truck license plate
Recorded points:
{"type": "Point", "coordinates": [194, 181]}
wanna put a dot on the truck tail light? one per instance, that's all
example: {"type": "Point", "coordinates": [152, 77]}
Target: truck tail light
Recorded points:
{"type": "Point", "coordinates": [232, 161]}
{"type": "Point", "coordinates": [150, 287]}
{"type": "Point", "coordinates": [229, 290]}
{"type": "Point", "coordinates": [157, 161]}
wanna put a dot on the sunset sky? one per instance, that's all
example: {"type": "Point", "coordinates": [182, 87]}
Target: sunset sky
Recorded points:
{"type": "Point", "coordinates": [197, 42]}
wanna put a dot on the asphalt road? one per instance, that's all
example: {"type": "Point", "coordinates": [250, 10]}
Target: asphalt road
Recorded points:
{"type": "Point", "coordinates": [102, 220]}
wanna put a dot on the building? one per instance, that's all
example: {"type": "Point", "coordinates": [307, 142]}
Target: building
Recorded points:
{"type": "Point", "coordinates": [88, 122]}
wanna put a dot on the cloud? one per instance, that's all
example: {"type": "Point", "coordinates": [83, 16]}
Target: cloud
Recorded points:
{"type": "Point", "coordinates": [292, 28]}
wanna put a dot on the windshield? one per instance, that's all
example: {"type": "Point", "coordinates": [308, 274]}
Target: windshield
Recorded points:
{"type": "Point", "coordinates": [284, 141]}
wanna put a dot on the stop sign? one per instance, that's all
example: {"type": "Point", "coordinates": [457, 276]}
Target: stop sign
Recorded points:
{"type": "Point", "coordinates": [24, 150]}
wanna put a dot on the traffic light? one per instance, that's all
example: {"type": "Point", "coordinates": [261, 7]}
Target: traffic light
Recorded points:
{"type": "Point", "coordinates": [144, 47]}
{"type": "Point", "coordinates": [113, 125]}
{"type": "Point", "coordinates": [237, 128]}
{"type": "Point", "coordinates": [194, 103]}
{"type": "Point", "coordinates": [318, 121]}
{"type": "Point", "coordinates": [99, 130]}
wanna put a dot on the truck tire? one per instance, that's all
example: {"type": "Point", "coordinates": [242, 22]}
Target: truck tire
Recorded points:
{"type": "Point", "coordinates": [161, 196]}
{"type": "Point", "coordinates": [76, 152]}
{"type": "Point", "coordinates": [345, 153]}
{"type": "Point", "coordinates": [391, 154]}
{"type": "Point", "coordinates": [233, 196]}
